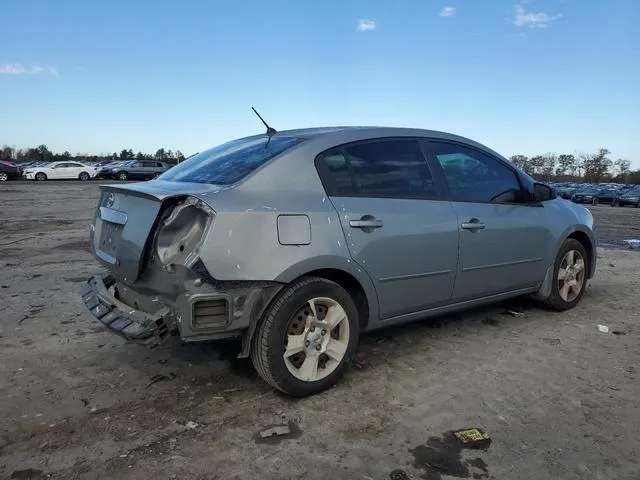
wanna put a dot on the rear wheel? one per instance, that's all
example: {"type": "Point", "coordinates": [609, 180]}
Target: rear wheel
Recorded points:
{"type": "Point", "coordinates": [3, 177]}
{"type": "Point", "coordinates": [84, 176]}
{"type": "Point", "coordinates": [41, 177]}
{"type": "Point", "coordinates": [594, 201]}
{"type": "Point", "coordinates": [122, 175]}
{"type": "Point", "coordinates": [307, 338]}
{"type": "Point", "coordinates": [569, 276]}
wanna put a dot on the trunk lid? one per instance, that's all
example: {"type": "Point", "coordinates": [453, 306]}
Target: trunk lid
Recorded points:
{"type": "Point", "coordinates": [126, 217]}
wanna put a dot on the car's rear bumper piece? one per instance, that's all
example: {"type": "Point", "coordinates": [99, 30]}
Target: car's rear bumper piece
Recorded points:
{"type": "Point", "coordinates": [131, 324]}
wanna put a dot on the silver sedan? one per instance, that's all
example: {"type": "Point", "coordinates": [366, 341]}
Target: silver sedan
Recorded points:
{"type": "Point", "coordinates": [298, 241]}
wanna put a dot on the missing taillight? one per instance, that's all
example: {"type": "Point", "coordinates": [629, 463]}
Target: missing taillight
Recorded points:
{"type": "Point", "coordinates": [181, 231]}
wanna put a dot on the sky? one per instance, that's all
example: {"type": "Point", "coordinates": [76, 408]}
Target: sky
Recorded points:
{"type": "Point", "coordinates": [526, 77]}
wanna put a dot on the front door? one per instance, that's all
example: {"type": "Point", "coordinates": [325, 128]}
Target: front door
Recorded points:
{"type": "Point", "coordinates": [397, 227]}
{"type": "Point", "coordinates": [504, 241]}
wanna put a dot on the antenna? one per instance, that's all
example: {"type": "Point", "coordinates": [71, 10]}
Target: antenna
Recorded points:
{"type": "Point", "coordinates": [270, 131]}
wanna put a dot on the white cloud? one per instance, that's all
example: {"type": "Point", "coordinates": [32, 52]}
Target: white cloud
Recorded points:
{"type": "Point", "coordinates": [18, 69]}
{"type": "Point", "coordinates": [365, 25]}
{"type": "Point", "coordinates": [448, 12]}
{"type": "Point", "coordinates": [523, 18]}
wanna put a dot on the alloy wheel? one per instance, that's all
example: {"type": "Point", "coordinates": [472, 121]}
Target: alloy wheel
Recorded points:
{"type": "Point", "coordinates": [571, 275]}
{"type": "Point", "coordinates": [3, 177]}
{"type": "Point", "coordinates": [317, 339]}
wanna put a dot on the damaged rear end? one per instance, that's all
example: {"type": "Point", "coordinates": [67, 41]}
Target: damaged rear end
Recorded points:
{"type": "Point", "coordinates": [149, 237]}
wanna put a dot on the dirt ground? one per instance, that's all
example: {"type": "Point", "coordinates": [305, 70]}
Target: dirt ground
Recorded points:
{"type": "Point", "coordinates": [558, 398]}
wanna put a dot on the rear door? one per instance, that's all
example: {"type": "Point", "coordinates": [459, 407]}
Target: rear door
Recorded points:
{"type": "Point", "coordinates": [504, 241]}
{"type": "Point", "coordinates": [149, 169]}
{"type": "Point", "coordinates": [397, 226]}
{"type": "Point", "coordinates": [74, 169]}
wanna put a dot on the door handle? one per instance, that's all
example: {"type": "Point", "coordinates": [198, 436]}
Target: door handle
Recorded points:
{"type": "Point", "coordinates": [365, 223]}
{"type": "Point", "coordinates": [473, 225]}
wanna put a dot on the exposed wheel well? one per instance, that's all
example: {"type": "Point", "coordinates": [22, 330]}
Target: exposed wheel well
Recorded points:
{"type": "Point", "coordinates": [351, 285]}
{"type": "Point", "coordinates": [586, 243]}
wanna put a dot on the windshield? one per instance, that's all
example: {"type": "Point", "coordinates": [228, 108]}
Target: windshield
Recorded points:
{"type": "Point", "coordinates": [229, 162]}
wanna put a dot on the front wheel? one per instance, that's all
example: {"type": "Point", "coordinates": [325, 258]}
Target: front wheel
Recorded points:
{"type": "Point", "coordinates": [41, 177]}
{"type": "Point", "coordinates": [84, 176]}
{"type": "Point", "coordinates": [3, 177]}
{"type": "Point", "coordinates": [307, 338]}
{"type": "Point", "coordinates": [122, 176]}
{"type": "Point", "coordinates": [569, 276]}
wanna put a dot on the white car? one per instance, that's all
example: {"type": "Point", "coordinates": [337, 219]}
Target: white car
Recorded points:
{"type": "Point", "coordinates": [60, 171]}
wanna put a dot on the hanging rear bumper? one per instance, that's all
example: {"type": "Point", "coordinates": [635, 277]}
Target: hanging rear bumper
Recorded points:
{"type": "Point", "coordinates": [123, 320]}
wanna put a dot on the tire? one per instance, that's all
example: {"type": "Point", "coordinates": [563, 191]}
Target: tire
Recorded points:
{"type": "Point", "coordinates": [614, 203]}
{"type": "Point", "coordinates": [595, 201]}
{"type": "Point", "coordinates": [556, 300]}
{"type": "Point", "coordinates": [290, 315]}
{"type": "Point", "coordinates": [41, 177]}
{"type": "Point", "coordinates": [84, 176]}
{"type": "Point", "coordinates": [3, 177]}
{"type": "Point", "coordinates": [122, 176]}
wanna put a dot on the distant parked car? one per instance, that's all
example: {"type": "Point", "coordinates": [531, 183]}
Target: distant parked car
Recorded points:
{"type": "Point", "coordinates": [9, 171]}
{"type": "Point", "coordinates": [630, 198]}
{"type": "Point", "coordinates": [60, 171]}
{"type": "Point", "coordinates": [297, 241]}
{"type": "Point", "coordinates": [584, 196]}
{"type": "Point", "coordinates": [608, 196]}
{"type": "Point", "coordinates": [138, 169]}
{"type": "Point", "coordinates": [103, 169]}
{"type": "Point", "coordinates": [565, 192]}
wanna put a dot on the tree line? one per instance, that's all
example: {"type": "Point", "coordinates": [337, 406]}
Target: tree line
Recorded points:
{"type": "Point", "coordinates": [579, 167]}
{"type": "Point", "coordinates": [43, 154]}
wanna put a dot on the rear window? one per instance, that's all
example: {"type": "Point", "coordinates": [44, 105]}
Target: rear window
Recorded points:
{"type": "Point", "coordinates": [229, 162]}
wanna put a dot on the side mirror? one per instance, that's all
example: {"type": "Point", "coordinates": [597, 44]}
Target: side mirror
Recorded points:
{"type": "Point", "coordinates": [543, 192]}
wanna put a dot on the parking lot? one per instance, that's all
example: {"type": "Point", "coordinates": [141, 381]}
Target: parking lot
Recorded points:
{"type": "Point", "coordinates": [559, 398]}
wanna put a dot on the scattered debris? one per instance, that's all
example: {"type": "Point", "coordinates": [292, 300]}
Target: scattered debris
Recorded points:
{"type": "Point", "coordinates": [603, 328]}
{"type": "Point", "coordinates": [26, 474]}
{"type": "Point", "coordinates": [163, 361]}
{"type": "Point", "coordinates": [516, 314]}
{"type": "Point", "coordinates": [93, 409]}
{"type": "Point", "coordinates": [160, 378]}
{"type": "Point", "coordinates": [191, 425]}
{"type": "Point", "coordinates": [618, 332]}
{"type": "Point", "coordinates": [85, 401]}
{"type": "Point", "coordinates": [275, 431]}
{"type": "Point", "coordinates": [473, 438]}
{"type": "Point", "coordinates": [231, 390]}
{"type": "Point", "coordinates": [552, 341]}
{"type": "Point", "coordinates": [399, 474]}
{"type": "Point", "coordinates": [615, 389]}
{"type": "Point", "coordinates": [43, 445]}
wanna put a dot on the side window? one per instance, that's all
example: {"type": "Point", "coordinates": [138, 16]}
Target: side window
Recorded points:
{"type": "Point", "coordinates": [473, 176]}
{"type": "Point", "coordinates": [147, 164]}
{"type": "Point", "coordinates": [393, 168]}
{"type": "Point", "coordinates": [159, 165]}
{"type": "Point", "coordinates": [336, 172]}
{"type": "Point", "coordinates": [73, 165]}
